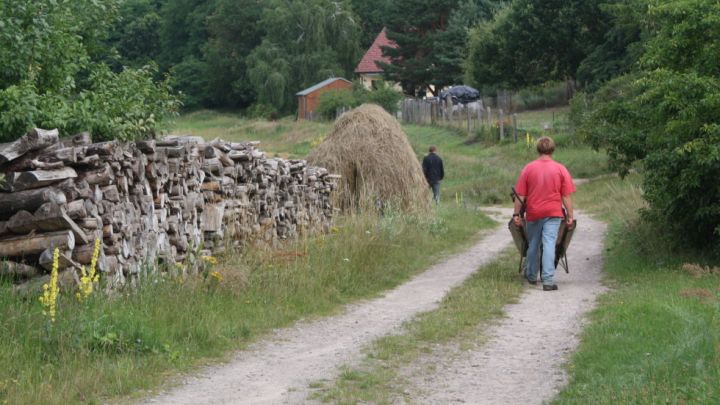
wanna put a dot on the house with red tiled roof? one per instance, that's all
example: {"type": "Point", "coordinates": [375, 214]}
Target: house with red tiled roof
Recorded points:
{"type": "Point", "coordinates": [368, 70]}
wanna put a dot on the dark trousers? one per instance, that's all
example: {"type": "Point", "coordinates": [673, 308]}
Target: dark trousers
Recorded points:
{"type": "Point", "coordinates": [436, 192]}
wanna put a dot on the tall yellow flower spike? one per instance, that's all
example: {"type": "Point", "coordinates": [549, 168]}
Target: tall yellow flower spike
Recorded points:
{"type": "Point", "coordinates": [50, 289]}
{"type": "Point", "coordinates": [90, 277]}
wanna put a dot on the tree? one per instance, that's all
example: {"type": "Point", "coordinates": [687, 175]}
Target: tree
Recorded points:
{"type": "Point", "coordinates": [372, 14]}
{"type": "Point", "coordinates": [425, 58]}
{"type": "Point", "coordinates": [53, 76]}
{"type": "Point", "coordinates": [136, 34]}
{"type": "Point", "coordinates": [535, 41]}
{"type": "Point", "coordinates": [231, 41]}
{"type": "Point", "coordinates": [306, 42]}
{"type": "Point", "coordinates": [664, 117]}
{"type": "Point", "coordinates": [621, 48]}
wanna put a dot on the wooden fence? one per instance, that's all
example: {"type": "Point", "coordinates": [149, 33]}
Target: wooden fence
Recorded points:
{"type": "Point", "coordinates": [471, 117]}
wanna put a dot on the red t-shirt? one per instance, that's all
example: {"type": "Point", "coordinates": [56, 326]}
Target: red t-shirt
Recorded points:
{"type": "Point", "coordinates": [544, 182]}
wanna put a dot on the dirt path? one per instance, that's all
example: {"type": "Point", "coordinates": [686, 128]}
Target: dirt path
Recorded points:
{"type": "Point", "coordinates": [522, 361]}
{"type": "Point", "coordinates": [279, 370]}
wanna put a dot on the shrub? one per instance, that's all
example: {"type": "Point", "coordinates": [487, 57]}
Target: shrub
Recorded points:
{"type": "Point", "coordinates": [550, 94]}
{"type": "Point", "coordinates": [126, 105]}
{"type": "Point", "coordinates": [332, 100]}
{"type": "Point", "coordinates": [262, 111]}
{"type": "Point", "coordinates": [667, 121]}
{"type": "Point", "coordinates": [386, 97]}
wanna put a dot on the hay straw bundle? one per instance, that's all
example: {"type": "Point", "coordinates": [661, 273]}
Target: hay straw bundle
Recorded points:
{"type": "Point", "coordinates": [371, 151]}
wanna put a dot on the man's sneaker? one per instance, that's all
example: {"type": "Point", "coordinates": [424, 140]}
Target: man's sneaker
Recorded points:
{"type": "Point", "coordinates": [531, 282]}
{"type": "Point", "coordinates": [550, 287]}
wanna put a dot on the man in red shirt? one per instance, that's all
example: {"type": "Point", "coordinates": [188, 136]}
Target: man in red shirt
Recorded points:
{"type": "Point", "coordinates": [545, 186]}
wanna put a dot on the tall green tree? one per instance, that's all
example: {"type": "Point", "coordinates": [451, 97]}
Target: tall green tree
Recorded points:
{"type": "Point", "coordinates": [372, 18]}
{"type": "Point", "coordinates": [232, 39]}
{"type": "Point", "coordinates": [184, 36]}
{"type": "Point", "coordinates": [305, 42]}
{"type": "Point", "coordinates": [431, 38]}
{"type": "Point", "coordinates": [664, 117]}
{"type": "Point", "coordinates": [425, 57]}
{"type": "Point", "coordinates": [621, 47]}
{"type": "Point", "coordinates": [135, 35]}
{"type": "Point", "coordinates": [535, 41]}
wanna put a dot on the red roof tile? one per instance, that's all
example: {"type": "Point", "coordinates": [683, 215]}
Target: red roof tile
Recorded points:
{"type": "Point", "coordinates": [374, 54]}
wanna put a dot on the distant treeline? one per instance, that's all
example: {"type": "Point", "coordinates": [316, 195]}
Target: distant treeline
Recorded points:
{"type": "Point", "coordinates": [236, 53]}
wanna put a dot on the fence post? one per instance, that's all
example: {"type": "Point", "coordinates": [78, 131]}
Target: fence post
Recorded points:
{"type": "Point", "coordinates": [514, 124]}
{"type": "Point", "coordinates": [501, 118]}
{"type": "Point", "coordinates": [467, 114]}
{"type": "Point", "coordinates": [489, 117]}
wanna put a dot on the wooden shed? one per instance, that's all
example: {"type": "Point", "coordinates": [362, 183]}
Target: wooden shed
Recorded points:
{"type": "Point", "coordinates": [309, 99]}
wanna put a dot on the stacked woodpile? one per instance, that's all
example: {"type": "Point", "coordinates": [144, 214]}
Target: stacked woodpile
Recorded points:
{"type": "Point", "coordinates": [154, 201]}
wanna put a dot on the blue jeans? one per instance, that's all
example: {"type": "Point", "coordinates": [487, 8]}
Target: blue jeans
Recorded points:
{"type": "Point", "coordinates": [545, 230]}
{"type": "Point", "coordinates": [436, 192]}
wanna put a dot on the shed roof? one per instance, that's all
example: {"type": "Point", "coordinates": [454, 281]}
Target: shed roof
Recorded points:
{"type": "Point", "coordinates": [374, 54]}
{"type": "Point", "coordinates": [320, 85]}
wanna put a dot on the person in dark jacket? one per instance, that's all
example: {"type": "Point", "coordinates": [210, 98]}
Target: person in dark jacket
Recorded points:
{"type": "Point", "coordinates": [434, 171]}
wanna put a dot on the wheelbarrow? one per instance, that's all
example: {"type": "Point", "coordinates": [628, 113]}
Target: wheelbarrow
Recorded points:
{"type": "Point", "coordinates": [565, 234]}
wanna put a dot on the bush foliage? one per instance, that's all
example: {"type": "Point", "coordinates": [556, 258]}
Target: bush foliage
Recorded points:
{"type": "Point", "coordinates": [53, 76]}
{"type": "Point", "coordinates": [667, 121]}
{"type": "Point", "coordinates": [333, 100]}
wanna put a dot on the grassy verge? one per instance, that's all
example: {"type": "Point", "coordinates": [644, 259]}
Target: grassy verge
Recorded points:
{"type": "Point", "coordinates": [484, 173]}
{"type": "Point", "coordinates": [285, 138]}
{"type": "Point", "coordinates": [655, 338]}
{"type": "Point", "coordinates": [112, 347]}
{"type": "Point", "coordinates": [460, 318]}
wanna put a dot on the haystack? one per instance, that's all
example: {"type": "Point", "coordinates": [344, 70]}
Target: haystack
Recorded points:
{"type": "Point", "coordinates": [378, 166]}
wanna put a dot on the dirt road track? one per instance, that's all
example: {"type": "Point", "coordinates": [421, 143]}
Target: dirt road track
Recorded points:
{"type": "Point", "coordinates": [279, 369]}
{"type": "Point", "coordinates": [522, 362]}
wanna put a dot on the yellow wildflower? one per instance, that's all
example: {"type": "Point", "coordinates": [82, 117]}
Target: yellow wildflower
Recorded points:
{"type": "Point", "coordinates": [210, 259]}
{"type": "Point", "coordinates": [90, 277]}
{"type": "Point", "coordinates": [50, 289]}
{"type": "Point", "coordinates": [217, 276]}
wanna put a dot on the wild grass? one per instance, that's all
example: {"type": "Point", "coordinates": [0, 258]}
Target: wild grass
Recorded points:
{"type": "Point", "coordinates": [655, 338]}
{"type": "Point", "coordinates": [116, 346]}
{"type": "Point", "coordinates": [285, 138]}
{"type": "Point", "coordinates": [484, 173]}
{"type": "Point", "coordinates": [462, 317]}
